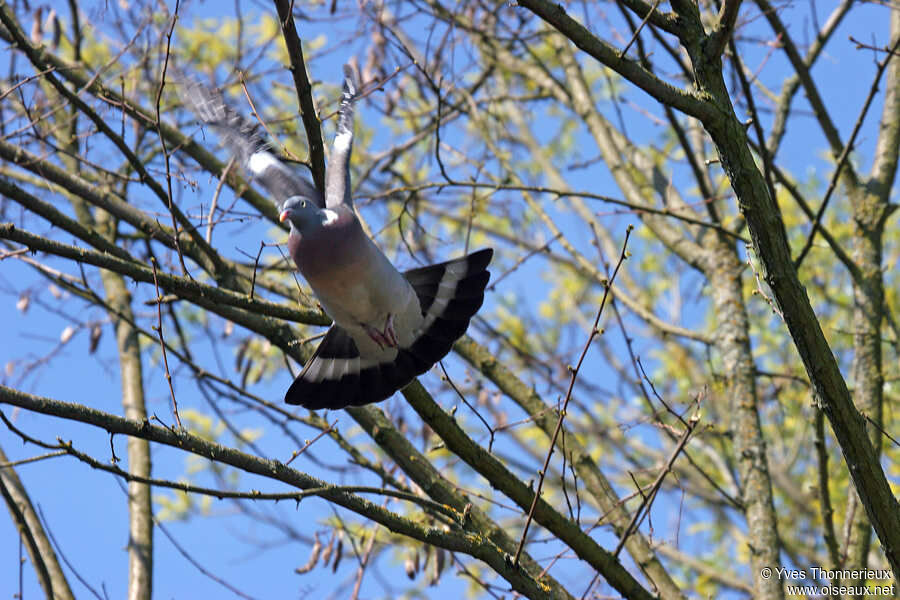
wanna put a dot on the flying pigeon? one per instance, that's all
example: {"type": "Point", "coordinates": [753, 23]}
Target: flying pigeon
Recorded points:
{"type": "Point", "coordinates": [388, 326]}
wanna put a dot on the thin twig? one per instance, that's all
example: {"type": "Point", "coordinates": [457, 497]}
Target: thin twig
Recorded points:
{"type": "Point", "coordinates": [462, 397]}
{"type": "Point", "coordinates": [304, 92]}
{"type": "Point", "coordinates": [522, 259]}
{"type": "Point", "coordinates": [633, 208]}
{"type": "Point", "coordinates": [637, 31]}
{"type": "Point", "coordinates": [881, 429]}
{"type": "Point", "coordinates": [648, 499]}
{"type": "Point", "coordinates": [162, 141]}
{"type": "Point", "coordinates": [27, 80]}
{"type": "Point", "coordinates": [62, 554]}
{"type": "Point", "coordinates": [262, 246]}
{"type": "Point", "coordinates": [215, 199]}
{"type": "Point", "coordinates": [25, 461]}
{"type": "Point", "coordinates": [848, 147]}
{"type": "Point", "coordinates": [309, 443]}
{"type": "Point", "coordinates": [363, 563]}
{"type": "Point", "coordinates": [259, 119]}
{"type": "Point", "coordinates": [162, 344]}
{"type": "Point", "coordinates": [197, 565]}
{"type": "Point", "coordinates": [562, 413]}
{"type": "Point", "coordinates": [13, 253]}
{"type": "Point", "coordinates": [824, 494]}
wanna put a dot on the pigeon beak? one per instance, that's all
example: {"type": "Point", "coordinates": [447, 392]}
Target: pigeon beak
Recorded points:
{"type": "Point", "coordinates": [284, 216]}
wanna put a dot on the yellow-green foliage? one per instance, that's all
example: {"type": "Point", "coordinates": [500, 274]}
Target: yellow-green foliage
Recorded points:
{"type": "Point", "coordinates": [263, 359]}
{"type": "Point", "coordinates": [201, 424]}
{"type": "Point", "coordinates": [94, 51]}
{"type": "Point", "coordinates": [180, 505]}
{"type": "Point", "coordinates": [209, 41]}
{"type": "Point", "coordinates": [509, 322]}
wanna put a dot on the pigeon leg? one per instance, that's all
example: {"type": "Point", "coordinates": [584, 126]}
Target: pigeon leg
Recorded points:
{"type": "Point", "coordinates": [377, 336]}
{"type": "Point", "coordinates": [385, 338]}
{"type": "Point", "coordinates": [389, 334]}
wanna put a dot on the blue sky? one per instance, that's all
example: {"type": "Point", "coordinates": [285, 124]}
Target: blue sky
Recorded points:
{"type": "Point", "coordinates": [85, 510]}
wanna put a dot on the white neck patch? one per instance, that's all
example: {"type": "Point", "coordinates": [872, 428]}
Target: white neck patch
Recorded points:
{"type": "Point", "coordinates": [330, 216]}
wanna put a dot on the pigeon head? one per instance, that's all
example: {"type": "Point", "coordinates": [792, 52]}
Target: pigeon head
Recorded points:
{"type": "Point", "coordinates": [303, 213]}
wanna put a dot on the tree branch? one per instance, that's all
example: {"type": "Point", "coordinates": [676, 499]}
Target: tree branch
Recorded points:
{"type": "Point", "coordinates": [771, 245]}
{"type": "Point", "coordinates": [555, 15]}
{"type": "Point", "coordinates": [304, 92]}
{"type": "Point", "coordinates": [718, 39]}
{"type": "Point", "coordinates": [456, 540]}
{"type": "Point", "coordinates": [47, 568]}
{"type": "Point", "coordinates": [809, 86]}
{"type": "Point", "coordinates": [202, 294]}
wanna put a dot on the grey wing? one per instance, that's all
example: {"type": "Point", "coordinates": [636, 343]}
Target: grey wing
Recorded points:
{"type": "Point", "coordinates": [245, 140]}
{"type": "Point", "coordinates": [337, 184]}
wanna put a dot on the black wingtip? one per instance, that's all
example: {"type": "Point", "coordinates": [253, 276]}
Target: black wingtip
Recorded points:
{"type": "Point", "coordinates": [480, 259]}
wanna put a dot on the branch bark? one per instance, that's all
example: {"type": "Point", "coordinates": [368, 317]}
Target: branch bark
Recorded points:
{"type": "Point", "coordinates": [712, 106]}
{"type": "Point", "coordinates": [304, 92]}
{"type": "Point", "coordinates": [871, 207]}
{"type": "Point", "coordinates": [47, 568]}
{"type": "Point", "coordinates": [771, 246]}
{"type": "Point", "coordinates": [458, 539]}
{"type": "Point", "coordinates": [140, 502]}
{"type": "Point", "coordinates": [205, 295]}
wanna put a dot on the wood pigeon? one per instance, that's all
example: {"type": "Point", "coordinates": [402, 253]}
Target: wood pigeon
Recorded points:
{"type": "Point", "coordinates": [388, 326]}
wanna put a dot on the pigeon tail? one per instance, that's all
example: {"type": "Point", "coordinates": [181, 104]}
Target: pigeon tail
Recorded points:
{"type": "Point", "coordinates": [336, 376]}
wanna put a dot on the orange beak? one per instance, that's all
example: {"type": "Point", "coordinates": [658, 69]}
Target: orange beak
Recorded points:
{"type": "Point", "coordinates": [284, 216]}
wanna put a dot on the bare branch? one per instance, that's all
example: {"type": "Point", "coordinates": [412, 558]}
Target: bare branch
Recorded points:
{"type": "Point", "coordinates": [718, 39]}
{"type": "Point", "coordinates": [455, 539]}
{"type": "Point", "coordinates": [555, 15]}
{"type": "Point", "coordinates": [304, 92]}
{"type": "Point", "coordinates": [595, 331]}
{"type": "Point", "coordinates": [47, 567]}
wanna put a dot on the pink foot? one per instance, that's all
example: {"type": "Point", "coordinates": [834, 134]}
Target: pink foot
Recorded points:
{"type": "Point", "coordinates": [386, 338]}
{"type": "Point", "coordinates": [389, 332]}
{"type": "Point", "coordinates": [376, 336]}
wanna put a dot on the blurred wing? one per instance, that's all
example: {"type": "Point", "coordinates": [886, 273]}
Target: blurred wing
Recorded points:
{"type": "Point", "coordinates": [337, 183]}
{"type": "Point", "coordinates": [246, 142]}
